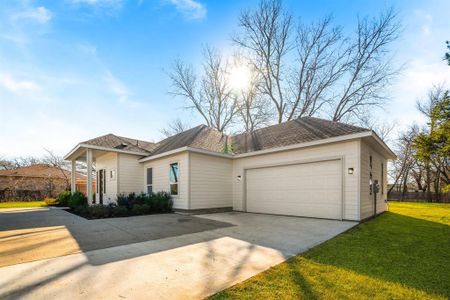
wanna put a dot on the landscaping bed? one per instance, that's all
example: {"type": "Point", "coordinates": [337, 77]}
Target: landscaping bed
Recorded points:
{"type": "Point", "coordinates": [126, 206]}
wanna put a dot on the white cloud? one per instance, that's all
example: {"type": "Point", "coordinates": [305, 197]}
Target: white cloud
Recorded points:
{"type": "Point", "coordinates": [37, 14]}
{"type": "Point", "coordinates": [190, 9]}
{"type": "Point", "coordinates": [99, 3]}
{"type": "Point", "coordinates": [17, 86]}
{"type": "Point", "coordinates": [426, 21]}
{"type": "Point", "coordinates": [88, 49]}
{"type": "Point", "coordinates": [120, 90]}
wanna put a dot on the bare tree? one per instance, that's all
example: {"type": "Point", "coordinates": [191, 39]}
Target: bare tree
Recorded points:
{"type": "Point", "coordinates": [174, 127]}
{"type": "Point", "coordinates": [369, 70]}
{"type": "Point", "coordinates": [402, 166]}
{"type": "Point", "coordinates": [383, 128]}
{"type": "Point", "coordinates": [322, 58]}
{"type": "Point", "coordinates": [58, 162]}
{"type": "Point", "coordinates": [266, 35]}
{"type": "Point", "coordinates": [6, 164]}
{"type": "Point", "coordinates": [318, 65]}
{"type": "Point", "coordinates": [253, 109]}
{"type": "Point", "coordinates": [425, 106]}
{"type": "Point", "coordinates": [210, 95]}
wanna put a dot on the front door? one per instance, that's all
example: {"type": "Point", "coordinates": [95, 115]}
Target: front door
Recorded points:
{"type": "Point", "coordinates": [101, 185]}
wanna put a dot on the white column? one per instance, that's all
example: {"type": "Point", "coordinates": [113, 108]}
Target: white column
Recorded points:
{"type": "Point", "coordinates": [73, 177]}
{"type": "Point", "coordinates": [89, 176]}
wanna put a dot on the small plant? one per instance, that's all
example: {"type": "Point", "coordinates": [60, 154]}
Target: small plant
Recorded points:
{"type": "Point", "coordinates": [51, 201]}
{"type": "Point", "coordinates": [63, 198]}
{"type": "Point", "coordinates": [77, 199]}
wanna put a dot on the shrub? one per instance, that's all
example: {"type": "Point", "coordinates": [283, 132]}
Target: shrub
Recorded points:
{"type": "Point", "coordinates": [51, 201]}
{"type": "Point", "coordinates": [63, 198]}
{"type": "Point", "coordinates": [99, 211]}
{"type": "Point", "coordinates": [82, 211]}
{"type": "Point", "coordinates": [159, 202]}
{"type": "Point", "coordinates": [77, 199]}
{"type": "Point", "coordinates": [140, 209]}
{"type": "Point", "coordinates": [119, 211]}
{"type": "Point", "coordinates": [164, 202]}
{"type": "Point", "coordinates": [141, 199]}
{"type": "Point", "coordinates": [126, 200]}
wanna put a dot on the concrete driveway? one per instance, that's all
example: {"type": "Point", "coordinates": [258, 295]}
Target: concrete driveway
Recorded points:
{"type": "Point", "coordinates": [159, 256]}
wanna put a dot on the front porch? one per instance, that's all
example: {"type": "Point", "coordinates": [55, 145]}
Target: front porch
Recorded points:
{"type": "Point", "coordinates": [87, 156]}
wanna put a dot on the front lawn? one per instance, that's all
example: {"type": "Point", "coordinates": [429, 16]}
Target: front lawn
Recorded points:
{"type": "Point", "coordinates": [402, 254]}
{"type": "Point", "coordinates": [17, 204]}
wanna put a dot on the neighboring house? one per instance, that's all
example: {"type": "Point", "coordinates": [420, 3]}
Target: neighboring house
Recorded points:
{"type": "Point", "coordinates": [304, 167]}
{"type": "Point", "coordinates": [36, 182]}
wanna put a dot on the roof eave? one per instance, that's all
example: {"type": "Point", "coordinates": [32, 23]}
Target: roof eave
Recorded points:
{"type": "Point", "coordinates": [93, 147]}
{"type": "Point", "coordinates": [308, 144]}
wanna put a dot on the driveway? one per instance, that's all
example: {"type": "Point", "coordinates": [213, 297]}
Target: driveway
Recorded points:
{"type": "Point", "coordinates": [159, 256]}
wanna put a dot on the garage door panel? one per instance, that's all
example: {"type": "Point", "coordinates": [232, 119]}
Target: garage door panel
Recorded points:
{"type": "Point", "coordinates": [310, 189]}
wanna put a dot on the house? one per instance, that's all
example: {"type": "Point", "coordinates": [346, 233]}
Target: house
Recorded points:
{"type": "Point", "coordinates": [303, 167]}
{"type": "Point", "coordinates": [36, 181]}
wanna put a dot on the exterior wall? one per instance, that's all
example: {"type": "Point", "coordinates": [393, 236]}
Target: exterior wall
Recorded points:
{"type": "Point", "coordinates": [161, 177]}
{"type": "Point", "coordinates": [129, 174]}
{"type": "Point", "coordinates": [367, 200]}
{"type": "Point", "coordinates": [210, 181]}
{"type": "Point", "coordinates": [109, 162]}
{"type": "Point", "coordinates": [349, 150]}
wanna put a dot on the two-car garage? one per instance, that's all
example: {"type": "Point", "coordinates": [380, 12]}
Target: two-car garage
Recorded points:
{"type": "Point", "coordinates": [309, 189]}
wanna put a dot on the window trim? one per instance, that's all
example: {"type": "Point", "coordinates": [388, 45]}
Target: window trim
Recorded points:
{"type": "Point", "coordinates": [146, 179]}
{"type": "Point", "coordinates": [178, 181]}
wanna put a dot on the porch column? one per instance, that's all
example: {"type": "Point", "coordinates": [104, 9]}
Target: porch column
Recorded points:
{"type": "Point", "coordinates": [73, 177]}
{"type": "Point", "coordinates": [89, 176]}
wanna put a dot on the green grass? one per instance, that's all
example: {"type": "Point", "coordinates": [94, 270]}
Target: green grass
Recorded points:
{"type": "Point", "coordinates": [22, 204]}
{"type": "Point", "coordinates": [402, 254]}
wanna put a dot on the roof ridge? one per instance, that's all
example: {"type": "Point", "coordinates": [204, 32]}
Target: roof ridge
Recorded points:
{"type": "Point", "coordinates": [336, 122]}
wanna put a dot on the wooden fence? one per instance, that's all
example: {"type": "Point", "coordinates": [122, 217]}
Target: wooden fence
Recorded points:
{"type": "Point", "coordinates": [419, 197]}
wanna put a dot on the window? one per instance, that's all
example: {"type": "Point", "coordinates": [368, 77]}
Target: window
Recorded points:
{"type": "Point", "coordinates": [149, 180]}
{"type": "Point", "coordinates": [370, 175]}
{"type": "Point", "coordinates": [382, 178]}
{"type": "Point", "coordinates": [174, 176]}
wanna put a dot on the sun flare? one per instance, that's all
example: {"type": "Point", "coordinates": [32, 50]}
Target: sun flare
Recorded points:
{"type": "Point", "coordinates": [240, 78]}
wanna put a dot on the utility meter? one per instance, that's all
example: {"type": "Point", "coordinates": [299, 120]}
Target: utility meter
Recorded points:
{"type": "Point", "coordinates": [376, 187]}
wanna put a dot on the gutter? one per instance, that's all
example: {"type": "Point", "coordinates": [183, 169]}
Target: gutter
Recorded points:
{"type": "Point", "coordinates": [183, 149]}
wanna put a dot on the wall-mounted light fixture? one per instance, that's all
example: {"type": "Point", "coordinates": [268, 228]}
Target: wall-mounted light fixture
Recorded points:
{"type": "Point", "coordinates": [239, 177]}
{"type": "Point", "coordinates": [350, 171]}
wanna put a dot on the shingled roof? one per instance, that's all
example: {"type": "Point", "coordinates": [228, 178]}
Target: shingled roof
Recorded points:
{"type": "Point", "coordinates": [41, 171]}
{"type": "Point", "coordinates": [301, 130]}
{"type": "Point", "coordinates": [122, 143]}
{"type": "Point", "coordinates": [201, 137]}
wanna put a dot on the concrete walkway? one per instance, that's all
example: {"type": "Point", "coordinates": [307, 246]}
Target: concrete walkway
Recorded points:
{"type": "Point", "coordinates": [184, 266]}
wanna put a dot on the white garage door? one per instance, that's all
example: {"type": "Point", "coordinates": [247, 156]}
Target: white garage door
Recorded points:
{"type": "Point", "coordinates": [309, 189]}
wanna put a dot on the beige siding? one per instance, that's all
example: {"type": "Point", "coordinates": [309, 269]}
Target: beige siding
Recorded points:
{"type": "Point", "coordinates": [210, 181]}
{"type": "Point", "coordinates": [130, 174]}
{"type": "Point", "coordinates": [161, 177]}
{"type": "Point", "coordinates": [348, 150]}
{"type": "Point", "coordinates": [367, 200]}
{"type": "Point", "coordinates": [108, 161]}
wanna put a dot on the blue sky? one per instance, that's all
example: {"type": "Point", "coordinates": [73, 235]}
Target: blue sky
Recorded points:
{"type": "Point", "coordinates": [71, 70]}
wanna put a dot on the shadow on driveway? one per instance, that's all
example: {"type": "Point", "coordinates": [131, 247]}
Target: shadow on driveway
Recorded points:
{"type": "Point", "coordinates": [34, 234]}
